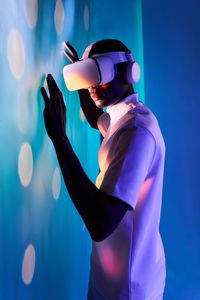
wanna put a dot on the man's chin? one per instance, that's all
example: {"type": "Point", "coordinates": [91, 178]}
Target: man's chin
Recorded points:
{"type": "Point", "coordinates": [99, 103]}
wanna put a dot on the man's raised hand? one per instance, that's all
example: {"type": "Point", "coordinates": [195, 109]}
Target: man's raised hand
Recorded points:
{"type": "Point", "coordinates": [54, 110]}
{"type": "Point", "coordinates": [72, 54]}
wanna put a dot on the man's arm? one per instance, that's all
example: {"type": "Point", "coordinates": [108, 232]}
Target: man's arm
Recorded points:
{"type": "Point", "coordinates": [91, 111]}
{"type": "Point", "coordinates": [101, 212]}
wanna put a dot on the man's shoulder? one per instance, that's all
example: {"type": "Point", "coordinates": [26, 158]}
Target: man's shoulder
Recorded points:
{"type": "Point", "coordinates": [147, 120]}
{"type": "Point", "coordinates": [144, 118]}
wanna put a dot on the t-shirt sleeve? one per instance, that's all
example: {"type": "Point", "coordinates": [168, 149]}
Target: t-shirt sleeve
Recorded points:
{"type": "Point", "coordinates": [132, 158]}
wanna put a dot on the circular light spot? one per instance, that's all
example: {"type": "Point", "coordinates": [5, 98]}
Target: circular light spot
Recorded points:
{"type": "Point", "coordinates": [31, 12]}
{"type": "Point", "coordinates": [82, 116]}
{"type": "Point", "coordinates": [28, 265]}
{"type": "Point", "coordinates": [59, 17]}
{"type": "Point", "coordinates": [56, 183]}
{"type": "Point", "coordinates": [15, 53]}
{"type": "Point", "coordinates": [25, 164]}
{"type": "Point", "coordinates": [112, 262]}
{"type": "Point", "coordinates": [86, 17]}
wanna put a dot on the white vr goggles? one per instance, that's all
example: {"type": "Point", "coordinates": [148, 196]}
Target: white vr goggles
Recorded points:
{"type": "Point", "coordinates": [99, 69]}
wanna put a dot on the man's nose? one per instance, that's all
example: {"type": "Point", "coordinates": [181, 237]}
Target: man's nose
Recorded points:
{"type": "Point", "coordinates": [95, 87]}
{"type": "Point", "coordinates": [92, 89]}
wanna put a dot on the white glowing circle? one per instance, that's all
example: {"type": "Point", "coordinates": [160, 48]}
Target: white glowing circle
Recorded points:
{"type": "Point", "coordinates": [56, 183]}
{"type": "Point", "coordinates": [15, 53]}
{"type": "Point", "coordinates": [136, 72]}
{"type": "Point", "coordinates": [86, 17]}
{"type": "Point", "coordinates": [31, 12]}
{"type": "Point", "coordinates": [82, 116]}
{"type": "Point", "coordinates": [28, 265]}
{"type": "Point", "coordinates": [25, 164]}
{"type": "Point", "coordinates": [59, 17]}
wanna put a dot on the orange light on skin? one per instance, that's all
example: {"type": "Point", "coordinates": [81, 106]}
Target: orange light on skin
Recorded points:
{"type": "Point", "coordinates": [112, 264]}
{"type": "Point", "coordinates": [144, 189]}
{"type": "Point", "coordinates": [104, 164]}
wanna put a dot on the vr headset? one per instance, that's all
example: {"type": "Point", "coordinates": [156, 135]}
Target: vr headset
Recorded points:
{"type": "Point", "coordinates": [99, 69]}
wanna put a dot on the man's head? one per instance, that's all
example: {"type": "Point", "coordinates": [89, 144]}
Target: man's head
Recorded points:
{"type": "Point", "coordinates": [115, 90]}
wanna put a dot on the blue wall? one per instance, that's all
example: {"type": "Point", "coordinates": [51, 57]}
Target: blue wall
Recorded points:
{"type": "Point", "coordinates": [44, 244]}
{"type": "Point", "coordinates": [113, 19]}
{"type": "Point", "coordinates": [171, 31]}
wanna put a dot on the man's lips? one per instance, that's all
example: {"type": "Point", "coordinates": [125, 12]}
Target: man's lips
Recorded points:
{"type": "Point", "coordinates": [97, 96]}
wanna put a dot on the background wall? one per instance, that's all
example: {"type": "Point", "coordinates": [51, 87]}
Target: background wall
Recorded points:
{"type": "Point", "coordinates": [113, 19]}
{"type": "Point", "coordinates": [171, 36]}
{"type": "Point", "coordinates": [44, 244]}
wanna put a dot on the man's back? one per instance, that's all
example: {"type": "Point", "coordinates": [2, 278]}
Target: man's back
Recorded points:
{"type": "Point", "coordinates": [130, 263]}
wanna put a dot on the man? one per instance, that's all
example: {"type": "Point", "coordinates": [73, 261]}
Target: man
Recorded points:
{"type": "Point", "coordinates": [122, 211]}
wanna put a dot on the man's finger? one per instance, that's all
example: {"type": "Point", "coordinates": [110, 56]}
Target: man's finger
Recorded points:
{"type": "Point", "coordinates": [66, 44]}
{"type": "Point", "coordinates": [52, 91]}
{"type": "Point", "coordinates": [71, 49]}
{"type": "Point", "coordinates": [54, 84]}
{"type": "Point", "coordinates": [45, 97]}
{"type": "Point", "coordinates": [62, 101]}
{"type": "Point", "coordinates": [69, 56]}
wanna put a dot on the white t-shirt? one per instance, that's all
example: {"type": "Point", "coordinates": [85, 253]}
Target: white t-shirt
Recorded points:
{"type": "Point", "coordinates": [130, 263]}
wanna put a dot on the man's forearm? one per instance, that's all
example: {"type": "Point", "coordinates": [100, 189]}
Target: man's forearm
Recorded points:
{"type": "Point", "coordinates": [93, 205]}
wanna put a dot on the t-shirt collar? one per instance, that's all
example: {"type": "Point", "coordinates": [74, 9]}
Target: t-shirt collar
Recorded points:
{"type": "Point", "coordinates": [116, 111]}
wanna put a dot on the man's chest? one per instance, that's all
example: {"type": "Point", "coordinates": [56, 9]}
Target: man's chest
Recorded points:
{"type": "Point", "coordinates": [110, 142]}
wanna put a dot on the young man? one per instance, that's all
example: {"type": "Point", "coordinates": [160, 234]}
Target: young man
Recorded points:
{"type": "Point", "coordinates": [122, 211]}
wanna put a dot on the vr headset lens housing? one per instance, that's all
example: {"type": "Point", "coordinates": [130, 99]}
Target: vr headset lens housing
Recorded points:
{"type": "Point", "coordinates": [88, 72]}
{"type": "Point", "coordinates": [98, 69]}
{"type": "Point", "coordinates": [81, 74]}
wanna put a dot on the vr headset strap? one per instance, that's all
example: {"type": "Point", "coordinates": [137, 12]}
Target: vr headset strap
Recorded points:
{"type": "Point", "coordinates": [117, 57]}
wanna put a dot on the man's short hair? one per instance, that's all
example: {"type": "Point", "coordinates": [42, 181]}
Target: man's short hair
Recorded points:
{"type": "Point", "coordinates": [107, 45]}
